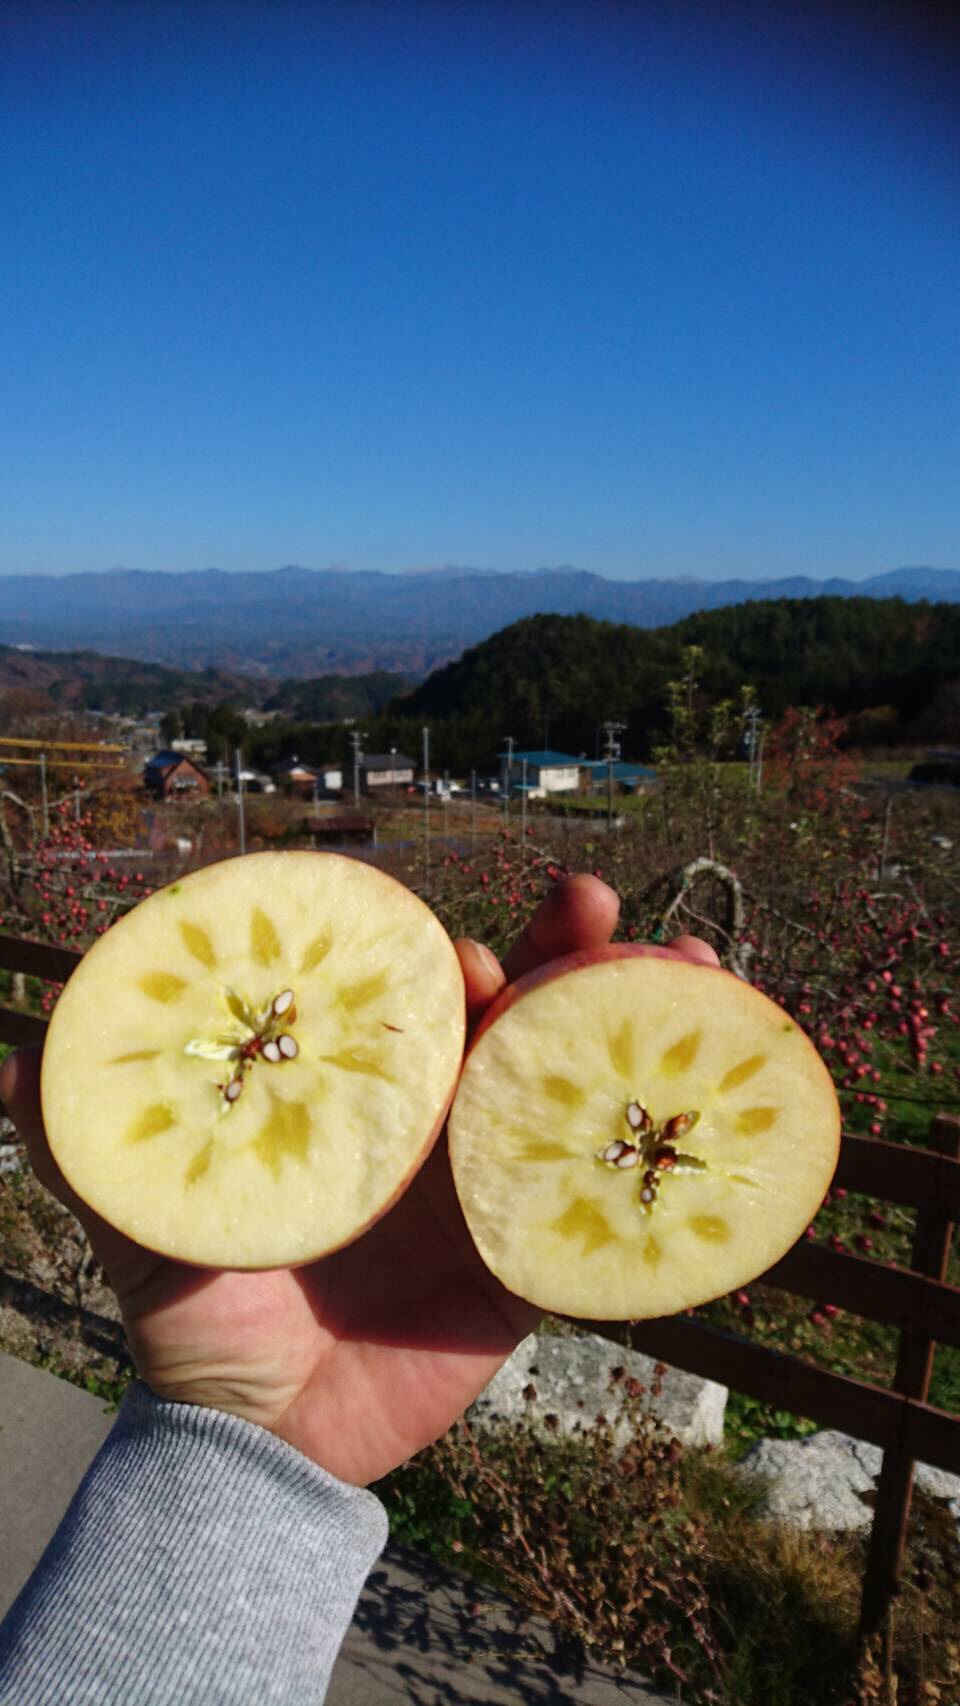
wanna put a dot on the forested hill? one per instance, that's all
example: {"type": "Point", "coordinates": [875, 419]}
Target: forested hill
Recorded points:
{"type": "Point", "coordinates": [327, 698]}
{"type": "Point", "coordinates": [83, 681]}
{"type": "Point", "coordinates": [557, 678]}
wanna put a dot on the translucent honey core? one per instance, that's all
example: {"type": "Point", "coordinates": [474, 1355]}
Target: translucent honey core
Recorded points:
{"type": "Point", "coordinates": [638, 1135]}
{"type": "Point", "coordinates": [282, 1035]}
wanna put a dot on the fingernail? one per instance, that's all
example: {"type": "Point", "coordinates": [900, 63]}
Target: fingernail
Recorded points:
{"type": "Point", "coordinates": [480, 960]}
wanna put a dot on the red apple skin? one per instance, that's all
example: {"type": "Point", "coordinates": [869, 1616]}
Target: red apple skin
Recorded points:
{"type": "Point", "coordinates": [575, 962]}
{"type": "Point", "coordinates": [619, 951]}
{"type": "Point", "coordinates": [308, 1261]}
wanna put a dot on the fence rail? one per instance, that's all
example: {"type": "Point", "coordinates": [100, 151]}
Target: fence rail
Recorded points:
{"type": "Point", "coordinates": [916, 1301]}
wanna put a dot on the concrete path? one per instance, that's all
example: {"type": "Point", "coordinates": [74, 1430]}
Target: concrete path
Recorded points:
{"type": "Point", "coordinates": [422, 1635]}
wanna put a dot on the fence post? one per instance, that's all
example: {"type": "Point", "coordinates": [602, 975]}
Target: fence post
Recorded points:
{"type": "Point", "coordinates": [931, 1247]}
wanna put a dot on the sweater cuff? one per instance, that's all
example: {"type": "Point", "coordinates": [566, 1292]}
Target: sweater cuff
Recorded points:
{"type": "Point", "coordinates": [201, 1560]}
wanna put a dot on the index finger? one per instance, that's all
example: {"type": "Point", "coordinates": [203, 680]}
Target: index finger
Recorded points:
{"type": "Point", "coordinates": [581, 912]}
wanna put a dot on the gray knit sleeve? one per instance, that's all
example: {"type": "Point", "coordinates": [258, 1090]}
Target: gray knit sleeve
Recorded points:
{"type": "Point", "coordinates": [202, 1562]}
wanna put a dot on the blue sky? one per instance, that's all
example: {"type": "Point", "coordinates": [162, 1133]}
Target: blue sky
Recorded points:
{"type": "Point", "coordinates": [648, 289]}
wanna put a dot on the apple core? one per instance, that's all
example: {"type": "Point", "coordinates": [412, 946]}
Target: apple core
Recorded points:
{"type": "Point", "coordinates": [247, 1069]}
{"type": "Point", "coordinates": [634, 1134]}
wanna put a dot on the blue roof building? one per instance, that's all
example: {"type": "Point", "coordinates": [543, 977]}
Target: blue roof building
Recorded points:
{"type": "Point", "coordinates": [542, 772]}
{"type": "Point", "coordinates": [629, 775]}
{"type": "Point", "coordinates": [545, 760]}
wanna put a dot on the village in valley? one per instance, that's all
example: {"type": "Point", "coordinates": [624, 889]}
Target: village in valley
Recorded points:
{"type": "Point", "coordinates": [345, 801]}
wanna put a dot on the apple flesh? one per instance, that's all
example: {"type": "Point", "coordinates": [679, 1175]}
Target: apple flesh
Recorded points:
{"type": "Point", "coordinates": [248, 1069]}
{"type": "Point", "coordinates": [634, 1134]}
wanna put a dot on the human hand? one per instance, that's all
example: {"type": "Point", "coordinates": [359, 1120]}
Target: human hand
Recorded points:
{"type": "Point", "coordinates": [361, 1359]}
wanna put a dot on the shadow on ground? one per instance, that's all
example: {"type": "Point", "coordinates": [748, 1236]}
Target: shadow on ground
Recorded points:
{"type": "Point", "coordinates": [424, 1636]}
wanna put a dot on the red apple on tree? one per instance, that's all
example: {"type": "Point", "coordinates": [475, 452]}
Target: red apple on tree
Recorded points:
{"type": "Point", "coordinates": [635, 1133]}
{"type": "Point", "coordinates": [247, 1070]}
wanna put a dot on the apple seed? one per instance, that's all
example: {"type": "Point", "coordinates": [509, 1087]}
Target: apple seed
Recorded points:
{"type": "Point", "coordinates": [637, 1117]}
{"type": "Point", "coordinates": [679, 1126]}
{"type": "Point", "coordinates": [613, 1151]}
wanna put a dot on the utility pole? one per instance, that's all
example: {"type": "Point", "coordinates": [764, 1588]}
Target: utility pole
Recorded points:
{"type": "Point", "coordinates": [511, 743]}
{"type": "Point", "coordinates": [243, 824]}
{"type": "Point", "coordinates": [523, 808]}
{"type": "Point", "coordinates": [754, 748]}
{"type": "Point", "coordinates": [43, 794]}
{"type": "Point", "coordinates": [885, 843]}
{"type": "Point", "coordinates": [426, 804]}
{"type": "Point", "coordinates": [473, 811]}
{"type": "Point", "coordinates": [611, 754]}
{"type": "Point", "coordinates": [219, 778]}
{"type": "Point", "coordinates": [356, 736]}
{"type": "Point", "coordinates": [446, 807]}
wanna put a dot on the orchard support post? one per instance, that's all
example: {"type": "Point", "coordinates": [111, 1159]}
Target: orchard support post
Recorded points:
{"type": "Point", "coordinates": [931, 1248]}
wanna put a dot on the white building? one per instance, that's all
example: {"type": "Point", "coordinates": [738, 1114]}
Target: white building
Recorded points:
{"type": "Point", "coordinates": [385, 770]}
{"type": "Point", "coordinates": [542, 773]}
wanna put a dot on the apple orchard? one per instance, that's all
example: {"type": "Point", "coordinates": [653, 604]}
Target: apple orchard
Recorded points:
{"type": "Point", "coordinates": [836, 898]}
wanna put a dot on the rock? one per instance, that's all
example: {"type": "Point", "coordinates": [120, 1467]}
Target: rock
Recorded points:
{"type": "Point", "coordinates": [571, 1378]}
{"type": "Point", "coordinates": [828, 1480]}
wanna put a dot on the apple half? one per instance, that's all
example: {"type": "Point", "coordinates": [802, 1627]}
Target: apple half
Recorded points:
{"type": "Point", "coordinates": [247, 1070]}
{"type": "Point", "coordinates": [634, 1134]}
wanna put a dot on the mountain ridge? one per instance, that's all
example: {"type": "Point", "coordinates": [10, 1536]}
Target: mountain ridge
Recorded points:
{"type": "Point", "coordinates": [295, 621]}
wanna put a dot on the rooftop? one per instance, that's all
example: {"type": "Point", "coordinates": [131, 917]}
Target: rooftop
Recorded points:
{"type": "Point", "coordinates": [623, 768]}
{"type": "Point", "coordinates": [164, 760]}
{"type": "Point", "coordinates": [545, 760]}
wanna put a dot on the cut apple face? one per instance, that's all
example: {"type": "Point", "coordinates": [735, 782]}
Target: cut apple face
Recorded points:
{"type": "Point", "coordinates": [248, 1069]}
{"type": "Point", "coordinates": [634, 1134]}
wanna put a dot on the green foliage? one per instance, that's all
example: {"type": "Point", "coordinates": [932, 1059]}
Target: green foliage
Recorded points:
{"type": "Point", "coordinates": [331, 698]}
{"type": "Point", "coordinates": [554, 679]}
{"type": "Point", "coordinates": [747, 1420]}
{"type": "Point", "coordinates": [109, 1387]}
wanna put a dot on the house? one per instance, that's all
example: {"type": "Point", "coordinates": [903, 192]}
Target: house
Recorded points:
{"type": "Point", "coordinates": [541, 773]}
{"type": "Point", "coordinates": [329, 778]}
{"type": "Point", "coordinates": [294, 777]}
{"type": "Point", "coordinates": [172, 775]}
{"type": "Point", "coordinates": [385, 770]}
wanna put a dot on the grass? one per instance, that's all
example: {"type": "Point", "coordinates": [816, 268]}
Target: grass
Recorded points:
{"type": "Point", "coordinates": [106, 1386]}
{"type": "Point", "coordinates": [667, 1560]}
{"type": "Point", "coordinates": [887, 769]}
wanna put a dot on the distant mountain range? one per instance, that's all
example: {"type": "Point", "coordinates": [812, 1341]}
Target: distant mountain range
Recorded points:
{"type": "Point", "coordinates": [311, 622]}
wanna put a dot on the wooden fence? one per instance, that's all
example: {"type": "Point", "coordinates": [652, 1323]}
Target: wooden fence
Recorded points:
{"type": "Point", "coordinates": [916, 1301]}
